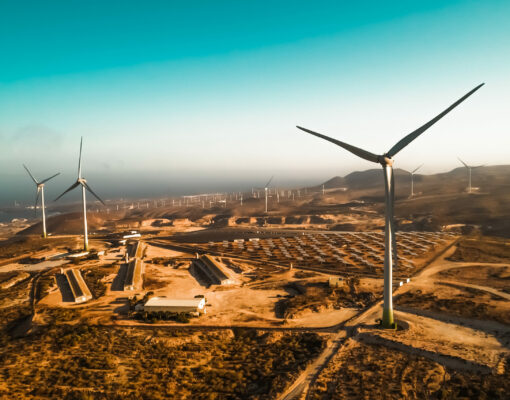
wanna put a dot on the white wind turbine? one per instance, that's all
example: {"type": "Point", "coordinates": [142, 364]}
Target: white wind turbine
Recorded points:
{"type": "Point", "coordinates": [266, 189]}
{"type": "Point", "coordinates": [84, 186]}
{"type": "Point", "coordinates": [386, 161]}
{"type": "Point", "coordinates": [40, 189]}
{"type": "Point", "coordinates": [470, 168]}
{"type": "Point", "coordinates": [412, 179]}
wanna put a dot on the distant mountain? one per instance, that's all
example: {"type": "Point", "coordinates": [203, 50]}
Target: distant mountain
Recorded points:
{"type": "Point", "coordinates": [335, 182]}
{"type": "Point", "coordinates": [486, 178]}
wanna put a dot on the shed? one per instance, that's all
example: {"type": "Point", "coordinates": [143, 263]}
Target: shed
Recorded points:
{"type": "Point", "coordinates": [162, 304]}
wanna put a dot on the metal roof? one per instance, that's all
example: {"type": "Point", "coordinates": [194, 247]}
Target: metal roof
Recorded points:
{"type": "Point", "coordinates": [165, 302]}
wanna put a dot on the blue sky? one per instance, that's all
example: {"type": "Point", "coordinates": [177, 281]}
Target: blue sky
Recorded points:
{"type": "Point", "coordinates": [188, 96]}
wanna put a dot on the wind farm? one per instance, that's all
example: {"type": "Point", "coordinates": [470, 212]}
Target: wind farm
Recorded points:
{"type": "Point", "coordinates": [179, 276]}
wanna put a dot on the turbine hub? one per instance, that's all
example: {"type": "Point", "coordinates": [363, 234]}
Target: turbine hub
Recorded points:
{"type": "Point", "coordinates": [386, 160]}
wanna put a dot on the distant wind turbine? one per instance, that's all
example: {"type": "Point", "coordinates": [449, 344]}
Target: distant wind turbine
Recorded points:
{"type": "Point", "coordinates": [412, 179]}
{"type": "Point", "coordinates": [469, 168]}
{"type": "Point", "coordinates": [386, 161]}
{"type": "Point", "coordinates": [40, 189]}
{"type": "Point", "coordinates": [84, 186]}
{"type": "Point", "coordinates": [266, 189]}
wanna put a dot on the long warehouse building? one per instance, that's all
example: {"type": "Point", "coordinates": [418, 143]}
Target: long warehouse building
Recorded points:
{"type": "Point", "coordinates": [215, 271]}
{"type": "Point", "coordinates": [79, 288]}
{"type": "Point", "coordinates": [135, 249]}
{"type": "Point", "coordinates": [162, 304]}
{"type": "Point", "coordinates": [134, 274]}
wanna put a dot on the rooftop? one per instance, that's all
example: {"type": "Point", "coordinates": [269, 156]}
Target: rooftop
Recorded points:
{"type": "Point", "coordinates": [165, 302]}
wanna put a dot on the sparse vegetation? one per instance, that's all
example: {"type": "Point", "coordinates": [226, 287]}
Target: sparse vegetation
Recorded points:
{"type": "Point", "coordinates": [94, 279]}
{"type": "Point", "coordinates": [85, 361]}
{"type": "Point", "coordinates": [460, 302]}
{"type": "Point", "coordinates": [23, 245]}
{"type": "Point", "coordinates": [365, 371]}
{"type": "Point", "coordinates": [153, 283]}
{"type": "Point", "coordinates": [319, 296]}
{"type": "Point", "coordinates": [482, 249]}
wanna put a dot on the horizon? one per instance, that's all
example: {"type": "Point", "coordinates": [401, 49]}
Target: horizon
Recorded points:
{"type": "Point", "coordinates": [215, 104]}
{"type": "Point", "coordinates": [120, 194]}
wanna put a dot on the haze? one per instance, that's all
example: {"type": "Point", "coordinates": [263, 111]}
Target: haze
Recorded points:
{"type": "Point", "coordinates": [184, 99]}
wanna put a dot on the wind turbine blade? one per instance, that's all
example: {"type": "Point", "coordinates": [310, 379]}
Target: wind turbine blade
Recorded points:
{"type": "Point", "coordinates": [417, 168]}
{"type": "Point", "coordinates": [51, 177]}
{"type": "Point", "coordinates": [95, 195]}
{"type": "Point", "coordinates": [467, 166]}
{"type": "Point", "coordinates": [355, 150]}
{"type": "Point", "coordinates": [31, 176]}
{"type": "Point", "coordinates": [478, 166]}
{"type": "Point", "coordinates": [79, 160]}
{"type": "Point", "coordinates": [69, 189]}
{"type": "Point", "coordinates": [36, 200]}
{"type": "Point", "coordinates": [413, 135]}
{"type": "Point", "coordinates": [268, 182]}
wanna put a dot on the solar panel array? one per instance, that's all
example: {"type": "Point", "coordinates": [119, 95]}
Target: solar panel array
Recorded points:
{"type": "Point", "coordinates": [342, 251]}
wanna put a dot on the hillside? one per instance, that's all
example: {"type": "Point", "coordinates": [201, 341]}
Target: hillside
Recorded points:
{"type": "Point", "coordinates": [67, 224]}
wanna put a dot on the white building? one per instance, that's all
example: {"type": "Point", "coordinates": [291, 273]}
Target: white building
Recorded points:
{"type": "Point", "coordinates": [162, 304]}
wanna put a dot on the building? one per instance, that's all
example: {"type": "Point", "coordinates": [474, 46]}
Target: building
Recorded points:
{"type": "Point", "coordinates": [134, 274]}
{"type": "Point", "coordinates": [131, 235]}
{"type": "Point", "coordinates": [215, 271]}
{"type": "Point", "coordinates": [162, 304]}
{"type": "Point", "coordinates": [135, 249]}
{"type": "Point", "coordinates": [79, 288]}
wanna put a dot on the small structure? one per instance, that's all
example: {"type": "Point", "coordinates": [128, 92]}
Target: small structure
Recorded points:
{"type": "Point", "coordinates": [161, 304]}
{"type": "Point", "coordinates": [77, 255]}
{"type": "Point", "coordinates": [79, 288]}
{"type": "Point", "coordinates": [131, 235]}
{"type": "Point", "coordinates": [214, 270]}
{"type": "Point", "coordinates": [134, 274]}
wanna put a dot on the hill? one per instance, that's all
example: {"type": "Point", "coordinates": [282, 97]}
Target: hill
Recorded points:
{"type": "Point", "coordinates": [67, 224]}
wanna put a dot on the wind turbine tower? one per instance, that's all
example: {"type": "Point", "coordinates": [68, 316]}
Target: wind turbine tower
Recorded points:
{"type": "Point", "coordinates": [84, 186]}
{"type": "Point", "coordinates": [386, 161]}
{"type": "Point", "coordinates": [266, 189]}
{"type": "Point", "coordinates": [40, 189]}
{"type": "Point", "coordinates": [412, 179]}
{"type": "Point", "coordinates": [470, 168]}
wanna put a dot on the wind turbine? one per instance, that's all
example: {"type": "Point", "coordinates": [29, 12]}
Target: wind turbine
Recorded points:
{"type": "Point", "coordinates": [266, 188]}
{"type": "Point", "coordinates": [412, 179]}
{"type": "Point", "coordinates": [469, 168]}
{"type": "Point", "coordinates": [84, 186]}
{"type": "Point", "coordinates": [40, 189]}
{"type": "Point", "coordinates": [386, 161]}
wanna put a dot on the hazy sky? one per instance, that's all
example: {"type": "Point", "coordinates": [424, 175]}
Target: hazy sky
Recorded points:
{"type": "Point", "coordinates": [179, 96]}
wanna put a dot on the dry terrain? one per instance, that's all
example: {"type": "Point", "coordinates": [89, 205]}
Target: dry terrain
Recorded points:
{"type": "Point", "coordinates": [298, 319]}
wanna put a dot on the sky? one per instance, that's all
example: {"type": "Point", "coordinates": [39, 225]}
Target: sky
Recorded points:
{"type": "Point", "coordinates": [177, 97]}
